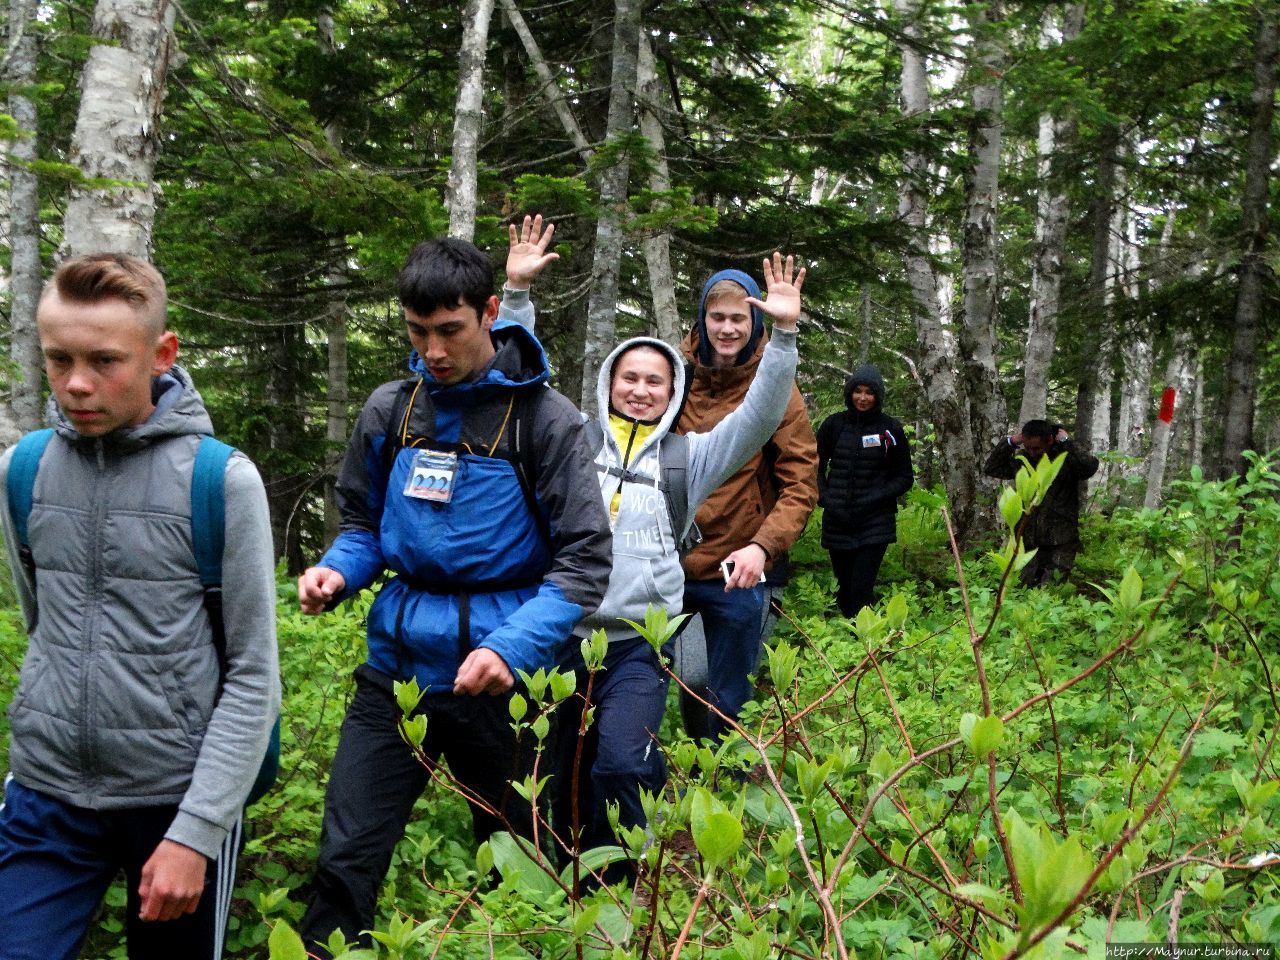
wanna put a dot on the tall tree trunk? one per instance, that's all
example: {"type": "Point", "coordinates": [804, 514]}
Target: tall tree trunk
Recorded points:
{"type": "Point", "coordinates": [944, 388]}
{"type": "Point", "coordinates": [24, 404]}
{"type": "Point", "coordinates": [1242, 371]}
{"type": "Point", "coordinates": [606, 265]}
{"type": "Point", "coordinates": [1052, 220]}
{"type": "Point", "coordinates": [1177, 378]}
{"type": "Point", "coordinates": [468, 119]}
{"type": "Point", "coordinates": [657, 245]}
{"type": "Point", "coordinates": [337, 385]}
{"type": "Point", "coordinates": [1093, 420]}
{"type": "Point", "coordinates": [117, 132]}
{"type": "Point", "coordinates": [978, 343]}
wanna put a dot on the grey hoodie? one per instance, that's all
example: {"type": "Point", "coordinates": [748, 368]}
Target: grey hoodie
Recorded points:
{"type": "Point", "coordinates": [119, 702]}
{"type": "Point", "coordinates": [646, 558]}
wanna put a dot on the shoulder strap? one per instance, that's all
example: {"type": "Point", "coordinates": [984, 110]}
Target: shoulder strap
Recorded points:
{"type": "Point", "coordinates": [525, 462]}
{"type": "Point", "coordinates": [22, 484]}
{"type": "Point", "coordinates": [399, 411]}
{"type": "Point", "coordinates": [208, 508]}
{"type": "Point", "coordinates": [674, 482]}
{"type": "Point", "coordinates": [208, 537]}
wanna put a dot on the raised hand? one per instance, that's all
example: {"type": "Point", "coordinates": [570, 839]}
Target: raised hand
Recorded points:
{"type": "Point", "coordinates": [783, 283]}
{"type": "Point", "coordinates": [528, 254]}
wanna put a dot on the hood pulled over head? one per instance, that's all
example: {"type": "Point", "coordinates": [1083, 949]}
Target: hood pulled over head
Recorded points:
{"type": "Point", "coordinates": [605, 381]}
{"type": "Point", "coordinates": [751, 289]}
{"type": "Point", "coordinates": [869, 376]}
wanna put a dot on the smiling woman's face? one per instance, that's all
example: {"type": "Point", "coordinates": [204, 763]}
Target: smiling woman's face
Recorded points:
{"type": "Point", "coordinates": [641, 386]}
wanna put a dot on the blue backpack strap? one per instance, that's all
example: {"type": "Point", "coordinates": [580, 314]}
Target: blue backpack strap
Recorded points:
{"type": "Point", "coordinates": [208, 535]}
{"type": "Point", "coordinates": [21, 484]}
{"type": "Point", "coordinates": [208, 508]}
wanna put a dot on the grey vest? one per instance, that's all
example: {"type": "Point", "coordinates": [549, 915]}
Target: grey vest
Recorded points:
{"type": "Point", "coordinates": [121, 676]}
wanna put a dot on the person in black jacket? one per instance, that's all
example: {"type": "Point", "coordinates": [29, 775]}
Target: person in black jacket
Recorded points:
{"type": "Point", "coordinates": [1053, 528]}
{"type": "Point", "coordinates": [864, 466]}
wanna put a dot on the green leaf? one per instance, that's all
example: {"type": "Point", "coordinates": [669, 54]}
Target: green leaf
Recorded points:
{"type": "Point", "coordinates": [414, 729]}
{"type": "Point", "coordinates": [525, 874]}
{"type": "Point", "coordinates": [484, 859]}
{"type": "Point", "coordinates": [987, 735]}
{"type": "Point", "coordinates": [285, 944]}
{"type": "Point", "coordinates": [518, 706]}
{"type": "Point", "coordinates": [1010, 505]}
{"type": "Point", "coordinates": [1130, 595]}
{"type": "Point", "coordinates": [719, 839]}
{"type": "Point", "coordinates": [895, 612]}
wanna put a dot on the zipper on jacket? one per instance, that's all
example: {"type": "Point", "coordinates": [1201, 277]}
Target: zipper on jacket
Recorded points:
{"type": "Point", "coordinates": [89, 708]}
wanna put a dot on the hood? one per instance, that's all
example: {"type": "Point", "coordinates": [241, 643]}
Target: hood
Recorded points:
{"type": "Point", "coordinates": [666, 421]}
{"type": "Point", "coordinates": [518, 361]}
{"type": "Point", "coordinates": [179, 412]}
{"type": "Point", "coordinates": [869, 376]}
{"type": "Point", "coordinates": [745, 281]}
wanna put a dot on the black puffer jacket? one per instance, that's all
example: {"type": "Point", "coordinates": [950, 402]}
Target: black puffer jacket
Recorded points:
{"type": "Point", "coordinates": [864, 465]}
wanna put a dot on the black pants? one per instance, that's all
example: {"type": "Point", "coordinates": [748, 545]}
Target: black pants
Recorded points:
{"type": "Point", "coordinates": [856, 572]}
{"type": "Point", "coordinates": [1052, 563]}
{"type": "Point", "coordinates": [375, 779]}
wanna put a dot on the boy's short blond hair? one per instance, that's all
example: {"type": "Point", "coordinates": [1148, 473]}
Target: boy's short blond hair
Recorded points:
{"type": "Point", "coordinates": [95, 277]}
{"type": "Point", "coordinates": [724, 290]}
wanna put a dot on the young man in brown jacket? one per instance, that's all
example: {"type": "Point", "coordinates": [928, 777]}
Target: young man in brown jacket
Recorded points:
{"type": "Point", "coordinates": [752, 519]}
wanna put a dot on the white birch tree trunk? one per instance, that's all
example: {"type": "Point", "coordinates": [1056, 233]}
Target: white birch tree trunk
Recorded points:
{"type": "Point", "coordinates": [1053, 213]}
{"type": "Point", "coordinates": [1177, 376]}
{"type": "Point", "coordinates": [23, 406]}
{"type": "Point", "coordinates": [606, 265]}
{"type": "Point", "coordinates": [117, 132]}
{"type": "Point", "coordinates": [337, 384]}
{"type": "Point", "coordinates": [468, 119]}
{"type": "Point", "coordinates": [978, 342]}
{"type": "Point", "coordinates": [657, 246]}
{"type": "Point", "coordinates": [1242, 369]}
{"type": "Point", "coordinates": [944, 388]}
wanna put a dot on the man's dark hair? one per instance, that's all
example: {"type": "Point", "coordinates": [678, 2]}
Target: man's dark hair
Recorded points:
{"type": "Point", "coordinates": [1038, 428]}
{"type": "Point", "coordinates": [445, 273]}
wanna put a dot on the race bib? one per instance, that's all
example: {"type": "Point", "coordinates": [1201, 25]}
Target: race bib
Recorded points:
{"type": "Point", "coordinates": [432, 476]}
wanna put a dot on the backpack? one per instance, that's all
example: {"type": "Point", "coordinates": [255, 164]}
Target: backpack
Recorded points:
{"type": "Point", "coordinates": [673, 451]}
{"type": "Point", "coordinates": [208, 516]}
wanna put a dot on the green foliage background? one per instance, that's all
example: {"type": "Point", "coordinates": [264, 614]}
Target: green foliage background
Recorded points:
{"type": "Point", "coordinates": [1184, 600]}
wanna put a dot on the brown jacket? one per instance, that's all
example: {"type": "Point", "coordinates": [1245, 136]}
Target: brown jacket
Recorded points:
{"type": "Point", "coordinates": [757, 504]}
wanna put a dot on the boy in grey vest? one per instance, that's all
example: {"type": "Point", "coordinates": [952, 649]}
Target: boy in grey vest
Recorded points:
{"type": "Point", "coordinates": [134, 743]}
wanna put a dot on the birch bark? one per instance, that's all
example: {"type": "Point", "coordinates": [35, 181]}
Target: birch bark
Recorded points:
{"type": "Point", "coordinates": [614, 178]}
{"type": "Point", "coordinates": [24, 406]}
{"type": "Point", "coordinates": [337, 384]}
{"type": "Point", "coordinates": [468, 119]}
{"type": "Point", "coordinates": [1053, 212]}
{"type": "Point", "coordinates": [1242, 370]}
{"type": "Point", "coordinates": [1177, 375]}
{"type": "Point", "coordinates": [657, 246]}
{"type": "Point", "coordinates": [978, 344]}
{"type": "Point", "coordinates": [117, 135]}
{"type": "Point", "coordinates": [944, 388]}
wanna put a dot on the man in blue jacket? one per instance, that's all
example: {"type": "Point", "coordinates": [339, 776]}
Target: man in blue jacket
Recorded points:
{"type": "Point", "coordinates": [494, 560]}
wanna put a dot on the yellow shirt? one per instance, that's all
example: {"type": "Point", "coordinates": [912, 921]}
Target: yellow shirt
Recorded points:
{"type": "Point", "coordinates": [630, 437]}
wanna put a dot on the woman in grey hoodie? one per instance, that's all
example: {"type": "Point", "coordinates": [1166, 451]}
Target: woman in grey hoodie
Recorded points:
{"type": "Point", "coordinates": [620, 755]}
